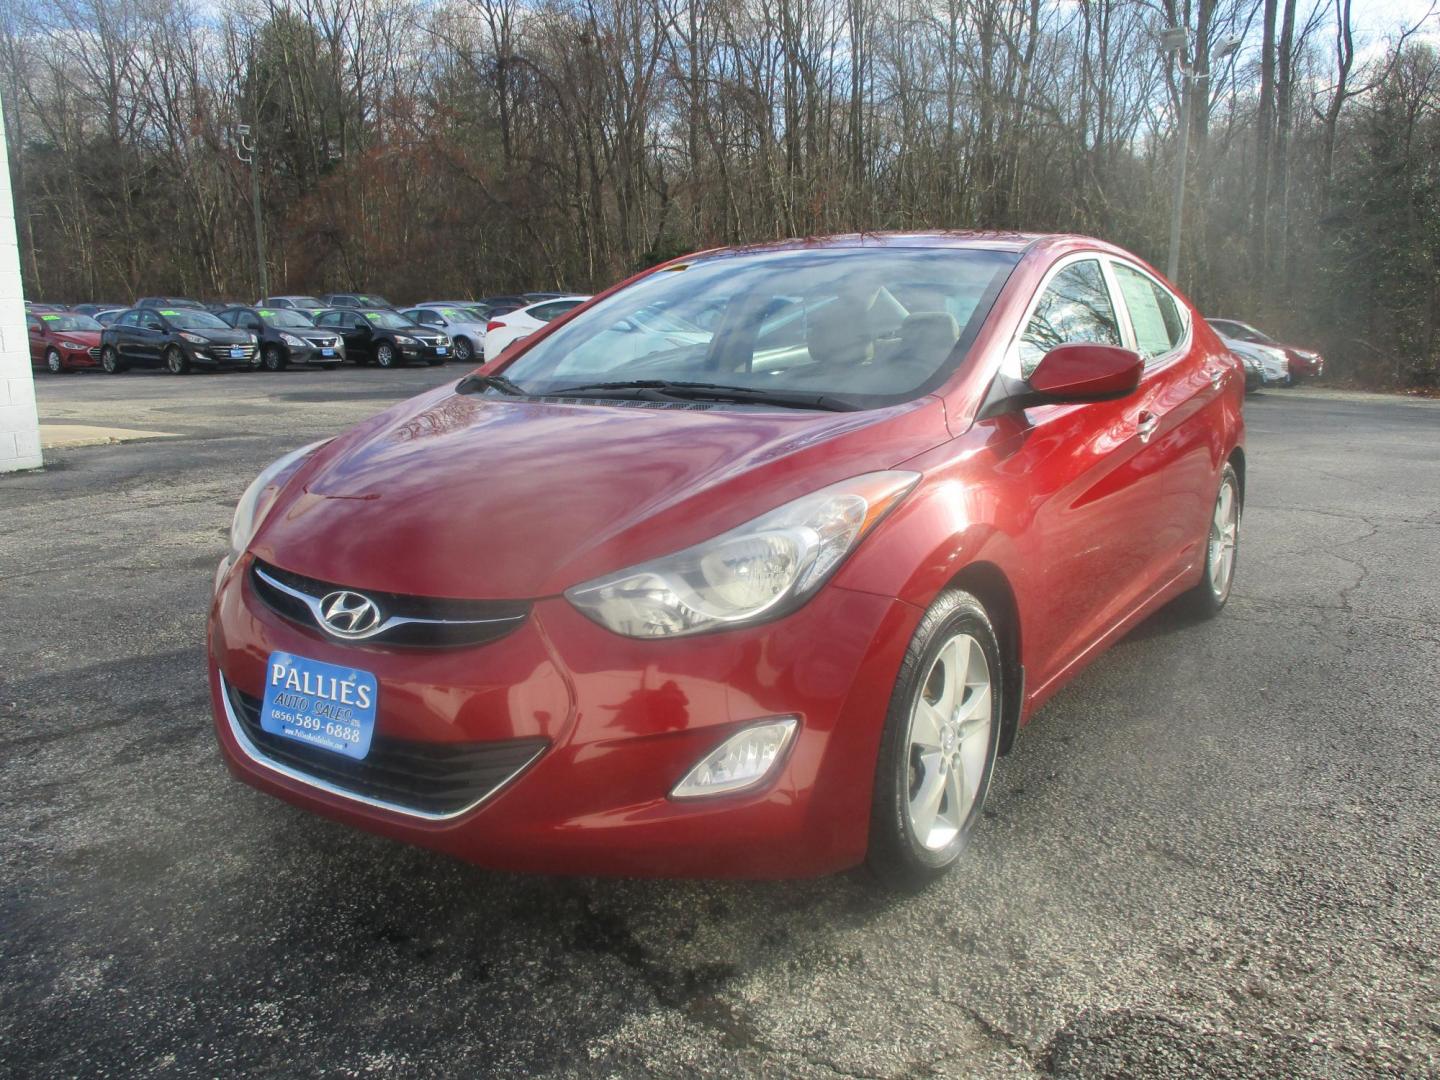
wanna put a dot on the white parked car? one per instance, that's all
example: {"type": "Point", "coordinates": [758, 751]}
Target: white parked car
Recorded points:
{"type": "Point", "coordinates": [504, 330]}
{"type": "Point", "coordinates": [465, 326]}
{"type": "Point", "coordinates": [1274, 366]}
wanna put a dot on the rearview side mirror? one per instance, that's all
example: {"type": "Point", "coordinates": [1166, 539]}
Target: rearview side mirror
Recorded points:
{"type": "Point", "coordinates": [1072, 373]}
{"type": "Point", "coordinates": [1081, 371]}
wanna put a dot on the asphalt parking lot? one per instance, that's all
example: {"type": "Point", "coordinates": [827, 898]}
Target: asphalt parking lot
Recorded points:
{"type": "Point", "coordinates": [1215, 854]}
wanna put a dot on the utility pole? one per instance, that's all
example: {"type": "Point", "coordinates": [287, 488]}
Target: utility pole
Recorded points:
{"type": "Point", "coordinates": [1174, 42]}
{"type": "Point", "coordinates": [247, 153]}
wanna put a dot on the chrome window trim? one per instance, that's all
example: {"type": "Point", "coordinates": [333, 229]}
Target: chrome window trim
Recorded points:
{"type": "Point", "coordinates": [258, 757]}
{"type": "Point", "coordinates": [313, 604]}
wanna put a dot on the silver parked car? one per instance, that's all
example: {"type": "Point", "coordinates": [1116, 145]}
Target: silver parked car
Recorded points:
{"type": "Point", "coordinates": [465, 325]}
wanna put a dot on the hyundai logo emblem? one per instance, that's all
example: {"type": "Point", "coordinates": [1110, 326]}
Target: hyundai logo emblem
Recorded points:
{"type": "Point", "coordinates": [348, 614]}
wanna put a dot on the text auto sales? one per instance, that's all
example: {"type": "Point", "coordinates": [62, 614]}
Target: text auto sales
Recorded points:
{"type": "Point", "coordinates": [333, 695]}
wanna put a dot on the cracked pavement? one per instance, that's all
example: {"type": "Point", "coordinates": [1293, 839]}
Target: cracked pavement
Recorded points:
{"type": "Point", "coordinates": [1214, 854]}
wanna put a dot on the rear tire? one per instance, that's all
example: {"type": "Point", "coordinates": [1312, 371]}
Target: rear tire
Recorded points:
{"type": "Point", "coordinates": [937, 751]}
{"type": "Point", "coordinates": [176, 362]}
{"type": "Point", "coordinates": [54, 363]}
{"type": "Point", "coordinates": [1217, 577]}
{"type": "Point", "coordinates": [110, 361]}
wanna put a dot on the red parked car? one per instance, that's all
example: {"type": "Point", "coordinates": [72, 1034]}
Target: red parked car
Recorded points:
{"type": "Point", "coordinates": [748, 567]}
{"type": "Point", "coordinates": [1303, 362]}
{"type": "Point", "coordinates": [62, 341]}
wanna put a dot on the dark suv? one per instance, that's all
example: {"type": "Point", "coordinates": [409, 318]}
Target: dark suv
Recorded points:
{"type": "Point", "coordinates": [385, 336]}
{"type": "Point", "coordinates": [177, 338]}
{"type": "Point", "coordinates": [357, 300]}
{"type": "Point", "coordinates": [287, 337]}
{"type": "Point", "coordinates": [168, 302]}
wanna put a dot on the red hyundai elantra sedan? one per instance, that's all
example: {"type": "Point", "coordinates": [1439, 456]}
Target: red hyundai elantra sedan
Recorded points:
{"type": "Point", "coordinates": [748, 567]}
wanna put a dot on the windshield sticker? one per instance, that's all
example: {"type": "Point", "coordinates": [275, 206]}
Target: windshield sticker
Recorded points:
{"type": "Point", "coordinates": [168, 312]}
{"type": "Point", "coordinates": [450, 313]}
{"type": "Point", "coordinates": [373, 316]}
{"type": "Point", "coordinates": [264, 314]}
{"type": "Point", "coordinates": [50, 318]}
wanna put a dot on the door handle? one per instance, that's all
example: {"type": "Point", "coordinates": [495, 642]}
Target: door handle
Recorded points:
{"type": "Point", "coordinates": [1146, 426]}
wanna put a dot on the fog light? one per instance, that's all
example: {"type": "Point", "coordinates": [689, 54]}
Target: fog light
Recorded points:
{"type": "Point", "coordinates": [741, 761]}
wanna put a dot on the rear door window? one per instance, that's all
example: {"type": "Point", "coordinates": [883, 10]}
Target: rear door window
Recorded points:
{"type": "Point", "coordinates": [1154, 315]}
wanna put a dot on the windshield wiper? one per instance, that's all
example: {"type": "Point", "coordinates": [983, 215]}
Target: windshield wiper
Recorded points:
{"type": "Point", "coordinates": [472, 384]}
{"type": "Point", "coordinates": [667, 390]}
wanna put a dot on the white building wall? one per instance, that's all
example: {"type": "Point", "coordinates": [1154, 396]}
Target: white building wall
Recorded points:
{"type": "Point", "coordinates": [19, 427]}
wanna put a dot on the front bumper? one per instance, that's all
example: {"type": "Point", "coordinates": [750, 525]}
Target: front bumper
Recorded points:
{"type": "Point", "coordinates": [222, 356]}
{"type": "Point", "coordinates": [621, 722]}
{"type": "Point", "coordinates": [314, 356]}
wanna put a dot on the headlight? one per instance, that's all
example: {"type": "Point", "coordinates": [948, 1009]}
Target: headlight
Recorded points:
{"type": "Point", "coordinates": [762, 569]}
{"type": "Point", "coordinates": [72, 345]}
{"type": "Point", "coordinates": [443, 340]}
{"type": "Point", "coordinates": [292, 340]}
{"type": "Point", "coordinates": [401, 339]}
{"type": "Point", "coordinates": [194, 339]}
{"type": "Point", "coordinates": [250, 511]}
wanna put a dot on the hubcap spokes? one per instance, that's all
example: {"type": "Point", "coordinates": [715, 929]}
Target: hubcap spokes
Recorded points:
{"type": "Point", "coordinates": [948, 741]}
{"type": "Point", "coordinates": [1224, 530]}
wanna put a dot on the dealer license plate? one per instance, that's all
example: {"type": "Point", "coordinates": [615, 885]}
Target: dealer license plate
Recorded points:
{"type": "Point", "coordinates": [237, 354]}
{"type": "Point", "coordinates": [441, 350]}
{"type": "Point", "coordinates": [320, 704]}
{"type": "Point", "coordinates": [327, 352]}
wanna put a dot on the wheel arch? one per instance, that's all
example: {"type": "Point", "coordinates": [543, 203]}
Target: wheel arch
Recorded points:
{"type": "Point", "coordinates": [988, 584]}
{"type": "Point", "coordinates": [1237, 459]}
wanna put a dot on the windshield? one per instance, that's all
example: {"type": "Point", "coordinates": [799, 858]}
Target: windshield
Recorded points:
{"type": "Point", "coordinates": [192, 320]}
{"type": "Point", "coordinates": [306, 302]}
{"type": "Point", "coordinates": [390, 320]}
{"type": "Point", "coordinates": [285, 317]}
{"type": "Point", "coordinates": [70, 322]}
{"type": "Point", "coordinates": [371, 300]}
{"type": "Point", "coordinates": [873, 326]}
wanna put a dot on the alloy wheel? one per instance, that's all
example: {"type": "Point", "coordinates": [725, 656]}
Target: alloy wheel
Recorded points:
{"type": "Point", "coordinates": [175, 361]}
{"type": "Point", "coordinates": [109, 360]}
{"type": "Point", "coordinates": [463, 351]}
{"type": "Point", "coordinates": [385, 354]}
{"type": "Point", "coordinates": [54, 363]}
{"type": "Point", "coordinates": [1224, 531]}
{"type": "Point", "coordinates": [948, 741]}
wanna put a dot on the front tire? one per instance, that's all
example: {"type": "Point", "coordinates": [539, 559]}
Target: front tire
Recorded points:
{"type": "Point", "coordinates": [464, 351]}
{"type": "Point", "coordinates": [274, 358]}
{"type": "Point", "coordinates": [176, 362]}
{"type": "Point", "coordinates": [385, 355]}
{"type": "Point", "coordinates": [53, 362]}
{"type": "Point", "coordinates": [1222, 543]}
{"type": "Point", "coordinates": [938, 748]}
{"type": "Point", "coordinates": [110, 361]}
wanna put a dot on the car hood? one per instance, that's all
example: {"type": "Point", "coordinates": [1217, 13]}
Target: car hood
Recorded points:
{"type": "Point", "coordinates": [480, 497]}
{"type": "Point", "coordinates": [221, 337]}
{"type": "Point", "coordinates": [84, 337]}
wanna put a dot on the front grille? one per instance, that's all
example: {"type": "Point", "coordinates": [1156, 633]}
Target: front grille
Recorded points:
{"type": "Point", "coordinates": [222, 352]}
{"type": "Point", "coordinates": [430, 778]}
{"type": "Point", "coordinates": [430, 341]}
{"type": "Point", "coordinates": [93, 352]}
{"type": "Point", "coordinates": [415, 621]}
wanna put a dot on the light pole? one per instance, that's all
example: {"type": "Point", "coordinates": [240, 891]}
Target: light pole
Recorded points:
{"type": "Point", "coordinates": [246, 152]}
{"type": "Point", "coordinates": [1174, 42]}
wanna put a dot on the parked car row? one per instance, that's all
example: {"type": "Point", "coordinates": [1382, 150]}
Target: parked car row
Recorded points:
{"type": "Point", "coordinates": [1267, 362]}
{"type": "Point", "coordinates": [182, 334]}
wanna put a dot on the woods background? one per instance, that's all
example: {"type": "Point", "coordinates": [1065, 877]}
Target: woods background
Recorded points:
{"type": "Point", "coordinates": [465, 147]}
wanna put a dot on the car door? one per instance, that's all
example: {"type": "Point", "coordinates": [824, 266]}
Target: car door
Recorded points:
{"type": "Point", "coordinates": [127, 331]}
{"type": "Point", "coordinates": [36, 330]}
{"type": "Point", "coordinates": [1086, 534]}
{"type": "Point", "coordinates": [1177, 414]}
{"type": "Point", "coordinates": [149, 338]}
